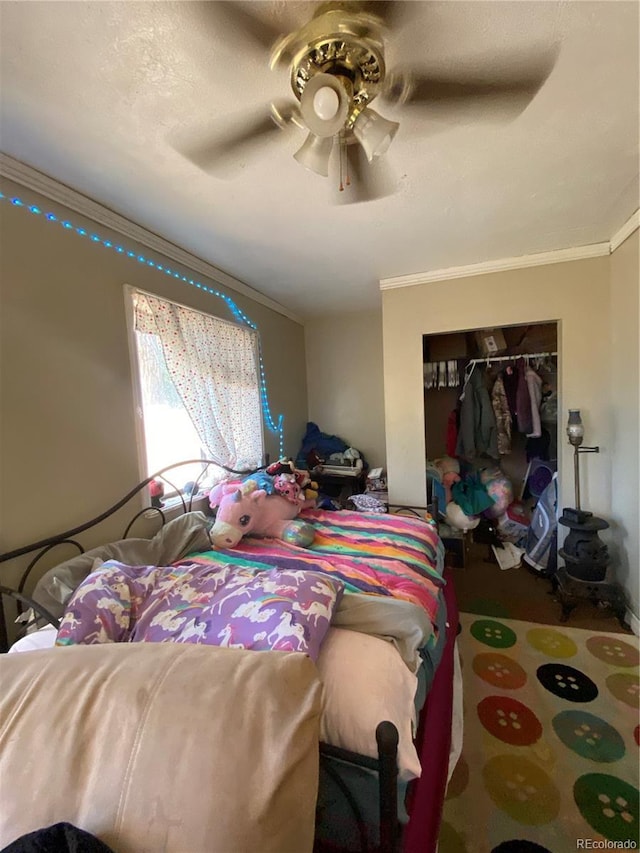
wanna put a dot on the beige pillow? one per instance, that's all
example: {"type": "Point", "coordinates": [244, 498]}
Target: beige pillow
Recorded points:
{"type": "Point", "coordinates": [365, 682]}
{"type": "Point", "coordinates": [162, 746]}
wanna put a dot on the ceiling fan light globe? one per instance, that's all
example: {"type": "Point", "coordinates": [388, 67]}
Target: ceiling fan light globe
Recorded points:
{"type": "Point", "coordinates": [326, 103]}
{"type": "Point", "coordinates": [315, 104]}
{"type": "Point", "coordinates": [315, 153]}
{"type": "Point", "coordinates": [374, 133]}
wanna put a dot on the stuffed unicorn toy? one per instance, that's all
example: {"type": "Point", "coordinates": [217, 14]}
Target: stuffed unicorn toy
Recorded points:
{"type": "Point", "coordinates": [243, 508]}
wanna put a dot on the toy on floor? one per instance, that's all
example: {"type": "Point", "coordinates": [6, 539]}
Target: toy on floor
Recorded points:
{"type": "Point", "coordinates": [499, 489]}
{"type": "Point", "coordinates": [261, 508]}
{"type": "Point", "coordinates": [457, 518]}
{"type": "Point", "coordinates": [449, 472]}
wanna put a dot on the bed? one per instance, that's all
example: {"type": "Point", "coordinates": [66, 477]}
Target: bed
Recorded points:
{"type": "Point", "coordinates": [369, 602]}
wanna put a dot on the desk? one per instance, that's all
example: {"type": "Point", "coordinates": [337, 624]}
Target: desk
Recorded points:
{"type": "Point", "coordinates": [340, 487]}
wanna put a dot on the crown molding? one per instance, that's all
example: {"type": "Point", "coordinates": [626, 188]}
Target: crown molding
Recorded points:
{"type": "Point", "coordinates": [631, 225]}
{"type": "Point", "coordinates": [594, 250]}
{"type": "Point", "coordinates": [46, 186]}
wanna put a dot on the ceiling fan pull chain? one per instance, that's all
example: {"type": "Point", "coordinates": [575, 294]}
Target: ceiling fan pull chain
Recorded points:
{"type": "Point", "coordinates": [341, 152]}
{"type": "Point", "coordinates": [346, 165]}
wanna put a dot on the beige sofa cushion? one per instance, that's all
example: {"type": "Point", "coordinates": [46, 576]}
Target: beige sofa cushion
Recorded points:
{"type": "Point", "coordinates": [161, 746]}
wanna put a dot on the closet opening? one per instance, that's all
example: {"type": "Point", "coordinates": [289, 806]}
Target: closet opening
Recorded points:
{"type": "Point", "coordinates": [491, 437]}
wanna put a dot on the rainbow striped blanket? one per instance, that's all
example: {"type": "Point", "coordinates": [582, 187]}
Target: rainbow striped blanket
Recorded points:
{"type": "Point", "coordinates": [375, 554]}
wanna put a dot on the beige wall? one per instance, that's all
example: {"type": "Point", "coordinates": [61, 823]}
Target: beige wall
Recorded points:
{"type": "Point", "coordinates": [67, 428]}
{"type": "Point", "coordinates": [344, 377]}
{"type": "Point", "coordinates": [625, 407]}
{"type": "Point", "coordinates": [576, 294]}
{"type": "Point", "coordinates": [596, 305]}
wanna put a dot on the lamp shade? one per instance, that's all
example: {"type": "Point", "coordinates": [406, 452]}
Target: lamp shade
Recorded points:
{"type": "Point", "coordinates": [324, 105]}
{"type": "Point", "coordinates": [374, 133]}
{"type": "Point", "coordinates": [315, 153]}
{"type": "Point", "coordinates": [575, 429]}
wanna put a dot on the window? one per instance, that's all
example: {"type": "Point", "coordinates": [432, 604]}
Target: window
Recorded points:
{"type": "Point", "coordinates": [198, 388]}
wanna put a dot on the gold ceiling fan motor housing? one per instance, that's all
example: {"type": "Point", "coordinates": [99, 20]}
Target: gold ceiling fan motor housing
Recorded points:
{"type": "Point", "coordinates": [345, 45]}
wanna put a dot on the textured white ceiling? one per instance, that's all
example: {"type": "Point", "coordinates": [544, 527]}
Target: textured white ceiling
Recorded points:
{"type": "Point", "coordinates": [99, 96]}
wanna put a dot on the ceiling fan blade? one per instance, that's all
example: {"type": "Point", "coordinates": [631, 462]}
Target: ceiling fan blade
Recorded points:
{"type": "Point", "coordinates": [362, 181]}
{"type": "Point", "coordinates": [238, 19]}
{"type": "Point", "coordinates": [509, 85]}
{"type": "Point", "coordinates": [392, 12]}
{"type": "Point", "coordinates": [222, 152]}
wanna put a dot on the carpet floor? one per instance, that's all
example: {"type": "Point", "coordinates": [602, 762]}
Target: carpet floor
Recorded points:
{"type": "Point", "coordinates": [550, 750]}
{"type": "Point", "coordinates": [520, 593]}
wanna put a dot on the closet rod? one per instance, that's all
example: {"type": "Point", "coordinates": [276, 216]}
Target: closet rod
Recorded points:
{"type": "Point", "coordinates": [510, 357]}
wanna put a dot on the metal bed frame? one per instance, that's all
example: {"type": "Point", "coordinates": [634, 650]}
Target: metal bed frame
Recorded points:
{"type": "Point", "coordinates": [32, 614]}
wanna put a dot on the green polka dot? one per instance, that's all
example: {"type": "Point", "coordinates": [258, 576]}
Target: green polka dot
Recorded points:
{"type": "Point", "coordinates": [589, 736]}
{"type": "Point", "coordinates": [494, 634]}
{"type": "Point", "coordinates": [609, 805]}
{"type": "Point", "coordinates": [551, 643]}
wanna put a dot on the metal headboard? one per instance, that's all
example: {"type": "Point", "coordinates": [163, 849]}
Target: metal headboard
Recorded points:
{"type": "Point", "coordinates": [44, 546]}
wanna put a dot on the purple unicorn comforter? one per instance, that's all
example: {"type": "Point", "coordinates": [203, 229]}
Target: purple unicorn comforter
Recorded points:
{"type": "Point", "coordinates": [194, 603]}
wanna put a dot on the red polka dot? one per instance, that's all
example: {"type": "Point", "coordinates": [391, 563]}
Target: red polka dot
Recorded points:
{"type": "Point", "coordinates": [509, 720]}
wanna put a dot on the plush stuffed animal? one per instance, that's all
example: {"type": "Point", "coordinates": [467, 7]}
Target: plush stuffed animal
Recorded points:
{"type": "Point", "coordinates": [449, 470]}
{"type": "Point", "coordinates": [244, 509]}
{"type": "Point", "coordinates": [286, 485]}
{"type": "Point", "coordinates": [308, 486]}
{"type": "Point", "coordinates": [282, 466]}
{"type": "Point", "coordinates": [285, 473]}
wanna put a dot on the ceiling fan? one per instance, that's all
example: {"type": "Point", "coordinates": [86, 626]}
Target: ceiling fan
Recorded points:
{"type": "Point", "coordinates": [336, 66]}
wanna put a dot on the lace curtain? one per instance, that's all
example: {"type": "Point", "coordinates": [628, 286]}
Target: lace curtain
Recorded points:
{"type": "Point", "coordinates": [213, 365]}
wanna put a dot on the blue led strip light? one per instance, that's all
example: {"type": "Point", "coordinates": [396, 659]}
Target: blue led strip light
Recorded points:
{"type": "Point", "coordinates": [238, 313]}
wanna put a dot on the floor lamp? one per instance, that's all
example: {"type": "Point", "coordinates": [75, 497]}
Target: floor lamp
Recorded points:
{"type": "Point", "coordinates": [575, 431]}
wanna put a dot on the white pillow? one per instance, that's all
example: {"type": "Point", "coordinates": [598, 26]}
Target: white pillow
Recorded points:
{"type": "Point", "coordinates": [43, 638]}
{"type": "Point", "coordinates": [365, 682]}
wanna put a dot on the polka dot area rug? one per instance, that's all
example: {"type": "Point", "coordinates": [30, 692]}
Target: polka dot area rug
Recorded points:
{"type": "Point", "coordinates": [550, 753]}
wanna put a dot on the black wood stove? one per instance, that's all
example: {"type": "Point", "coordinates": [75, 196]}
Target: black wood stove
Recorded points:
{"type": "Point", "coordinates": [583, 552]}
{"type": "Point", "coordinates": [586, 573]}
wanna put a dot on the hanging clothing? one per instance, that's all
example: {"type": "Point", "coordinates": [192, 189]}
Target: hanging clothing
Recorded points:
{"type": "Point", "coordinates": [538, 448]}
{"type": "Point", "coordinates": [523, 400]}
{"type": "Point", "coordinates": [549, 406]}
{"type": "Point", "coordinates": [478, 432]}
{"type": "Point", "coordinates": [510, 382]}
{"type": "Point", "coordinates": [534, 384]}
{"type": "Point", "coordinates": [452, 432]}
{"type": "Point", "coordinates": [502, 412]}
